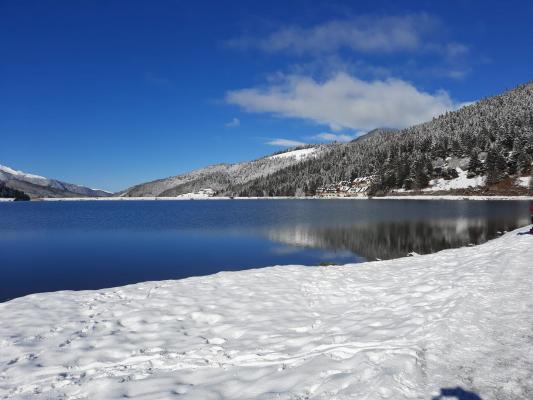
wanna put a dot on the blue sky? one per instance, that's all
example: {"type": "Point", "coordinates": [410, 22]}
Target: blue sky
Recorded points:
{"type": "Point", "coordinates": [112, 93]}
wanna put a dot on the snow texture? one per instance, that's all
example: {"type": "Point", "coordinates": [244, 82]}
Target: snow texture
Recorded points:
{"type": "Point", "coordinates": [398, 329]}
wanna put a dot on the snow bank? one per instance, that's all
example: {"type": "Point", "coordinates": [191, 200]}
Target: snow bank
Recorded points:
{"type": "Point", "coordinates": [461, 182]}
{"type": "Point", "coordinates": [399, 329]}
{"type": "Point", "coordinates": [523, 181]}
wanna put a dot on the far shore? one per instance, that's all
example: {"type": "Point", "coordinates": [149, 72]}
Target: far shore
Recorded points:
{"type": "Point", "coordinates": [392, 197]}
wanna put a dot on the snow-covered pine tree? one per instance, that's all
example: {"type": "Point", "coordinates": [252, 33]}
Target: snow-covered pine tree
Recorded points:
{"type": "Point", "coordinates": [474, 165]}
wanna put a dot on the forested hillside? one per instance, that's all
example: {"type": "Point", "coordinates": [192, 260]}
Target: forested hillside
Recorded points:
{"type": "Point", "coordinates": [494, 137]}
{"type": "Point", "coordinates": [8, 193]}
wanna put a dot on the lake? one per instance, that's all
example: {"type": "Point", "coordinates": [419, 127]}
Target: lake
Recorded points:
{"type": "Point", "coordinates": [48, 246]}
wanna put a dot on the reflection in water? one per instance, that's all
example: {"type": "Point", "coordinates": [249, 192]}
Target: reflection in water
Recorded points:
{"type": "Point", "coordinates": [386, 240]}
{"type": "Point", "coordinates": [46, 246]}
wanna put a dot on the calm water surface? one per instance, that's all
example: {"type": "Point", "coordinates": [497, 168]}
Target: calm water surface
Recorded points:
{"type": "Point", "coordinates": [47, 246]}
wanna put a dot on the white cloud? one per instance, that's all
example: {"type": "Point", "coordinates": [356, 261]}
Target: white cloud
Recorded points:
{"type": "Point", "coordinates": [344, 101]}
{"type": "Point", "coordinates": [285, 142]}
{"type": "Point", "coordinates": [333, 137]}
{"type": "Point", "coordinates": [368, 33]}
{"type": "Point", "coordinates": [234, 123]}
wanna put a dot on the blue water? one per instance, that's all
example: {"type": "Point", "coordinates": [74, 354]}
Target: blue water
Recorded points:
{"type": "Point", "coordinates": [48, 246]}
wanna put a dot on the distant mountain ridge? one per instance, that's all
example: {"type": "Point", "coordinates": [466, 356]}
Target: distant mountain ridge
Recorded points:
{"type": "Point", "coordinates": [220, 176]}
{"type": "Point", "coordinates": [37, 186]}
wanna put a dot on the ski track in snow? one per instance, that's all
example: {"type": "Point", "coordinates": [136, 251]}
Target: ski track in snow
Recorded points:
{"type": "Point", "coordinates": [398, 329]}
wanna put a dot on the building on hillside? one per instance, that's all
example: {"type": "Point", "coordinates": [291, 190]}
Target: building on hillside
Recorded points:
{"type": "Point", "coordinates": [327, 190]}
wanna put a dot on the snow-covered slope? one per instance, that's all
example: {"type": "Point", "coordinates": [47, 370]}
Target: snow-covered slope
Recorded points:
{"type": "Point", "coordinates": [299, 154]}
{"type": "Point", "coordinates": [461, 182]}
{"type": "Point", "coordinates": [399, 329]}
{"type": "Point", "coordinates": [39, 186]}
{"type": "Point", "coordinates": [19, 174]}
{"type": "Point", "coordinates": [219, 177]}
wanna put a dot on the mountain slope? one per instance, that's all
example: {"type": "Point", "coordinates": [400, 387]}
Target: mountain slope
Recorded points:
{"type": "Point", "coordinates": [381, 132]}
{"type": "Point", "coordinates": [38, 186]}
{"type": "Point", "coordinates": [219, 177]}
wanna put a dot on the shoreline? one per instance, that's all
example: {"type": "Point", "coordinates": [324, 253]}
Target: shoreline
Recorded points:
{"type": "Point", "coordinates": [215, 198]}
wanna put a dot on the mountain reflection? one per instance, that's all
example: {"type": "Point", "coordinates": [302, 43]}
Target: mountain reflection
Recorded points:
{"type": "Point", "coordinates": [386, 240]}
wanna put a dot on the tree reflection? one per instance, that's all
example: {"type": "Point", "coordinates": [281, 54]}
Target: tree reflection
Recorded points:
{"type": "Point", "coordinates": [386, 240]}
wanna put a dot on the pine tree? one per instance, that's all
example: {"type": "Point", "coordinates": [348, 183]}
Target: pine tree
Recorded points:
{"type": "Point", "coordinates": [523, 163]}
{"type": "Point", "coordinates": [419, 173]}
{"type": "Point", "coordinates": [495, 165]}
{"type": "Point", "coordinates": [474, 165]}
{"type": "Point", "coordinates": [512, 162]}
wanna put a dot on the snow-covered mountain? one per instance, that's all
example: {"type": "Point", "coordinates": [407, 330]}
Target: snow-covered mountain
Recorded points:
{"type": "Point", "coordinates": [221, 176]}
{"type": "Point", "coordinates": [487, 145]}
{"type": "Point", "coordinates": [38, 186]}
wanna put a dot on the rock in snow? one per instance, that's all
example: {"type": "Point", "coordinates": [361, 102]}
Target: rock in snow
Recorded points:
{"type": "Point", "coordinates": [398, 329]}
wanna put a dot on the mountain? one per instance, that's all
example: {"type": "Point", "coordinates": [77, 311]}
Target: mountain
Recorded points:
{"type": "Point", "coordinates": [483, 148]}
{"type": "Point", "coordinates": [221, 176]}
{"type": "Point", "coordinates": [491, 139]}
{"type": "Point", "coordinates": [37, 186]}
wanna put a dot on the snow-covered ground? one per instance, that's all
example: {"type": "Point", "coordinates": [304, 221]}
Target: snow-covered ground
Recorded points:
{"type": "Point", "coordinates": [461, 182]}
{"type": "Point", "coordinates": [399, 329]}
{"type": "Point", "coordinates": [297, 154]}
{"type": "Point", "coordinates": [199, 195]}
{"type": "Point", "coordinates": [523, 181]}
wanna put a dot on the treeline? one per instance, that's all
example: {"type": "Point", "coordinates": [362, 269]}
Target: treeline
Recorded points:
{"type": "Point", "coordinates": [494, 136]}
{"type": "Point", "coordinates": [7, 192]}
